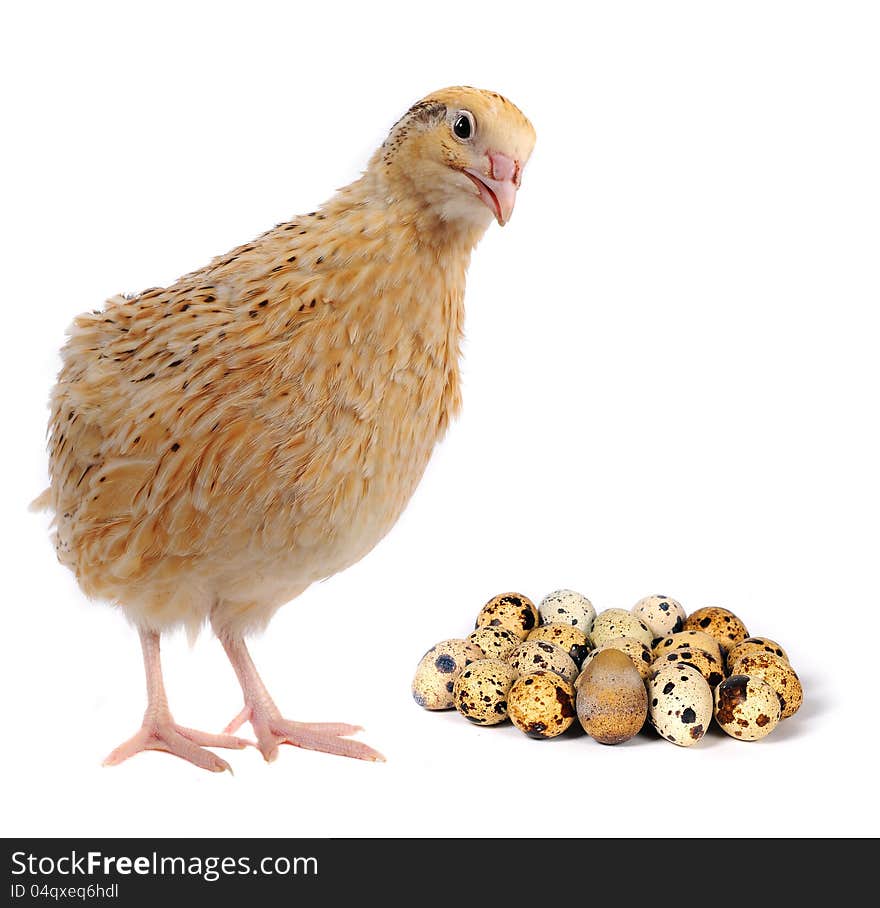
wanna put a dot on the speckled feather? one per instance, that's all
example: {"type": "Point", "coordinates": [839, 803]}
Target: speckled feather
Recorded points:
{"type": "Point", "coordinates": [219, 444]}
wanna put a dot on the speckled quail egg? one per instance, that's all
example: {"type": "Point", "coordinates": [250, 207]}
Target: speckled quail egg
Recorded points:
{"type": "Point", "coordinates": [611, 701]}
{"type": "Point", "coordinates": [720, 624]}
{"type": "Point", "coordinates": [680, 704]}
{"type": "Point", "coordinates": [640, 654]}
{"type": "Point", "coordinates": [777, 672]}
{"type": "Point", "coordinates": [512, 611]}
{"type": "Point", "coordinates": [662, 614]}
{"type": "Point", "coordinates": [755, 645]}
{"type": "Point", "coordinates": [480, 693]}
{"type": "Point", "coordinates": [495, 642]}
{"type": "Point", "coordinates": [567, 607]}
{"type": "Point", "coordinates": [438, 671]}
{"type": "Point", "coordinates": [541, 704]}
{"type": "Point", "coordinates": [705, 663]}
{"type": "Point", "coordinates": [687, 640]}
{"type": "Point", "coordinates": [568, 638]}
{"type": "Point", "coordinates": [541, 655]}
{"type": "Point", "coordinates": [746, 708]}
{"type": "Point", "coordinates": [618, 622]}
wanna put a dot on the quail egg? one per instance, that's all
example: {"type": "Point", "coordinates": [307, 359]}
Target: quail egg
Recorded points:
{"type": "Point", "coordinates": [687, 640]}
{"type": "Point", "coordinates": [618, 622]}
{"type": "Point", "coordinates": [755, 645]}
{"type": "Point", "coordinates": [611, 700]}
{"type": "Point", "coordinates": [438, 671]}
{"type": "Point", "coordinates": [705, 663]}
{"type": "Point", "coordinates": [718, 623]}
{"type": "Point", "coordinates": [541, 655]}
{"type": "Point", "coordinates": [636, 650]}
{"type": "Point", "coordinates": [568, 638]}
{"type": "Point", "coordinates": [746, 708]}
{"type": "Point", "coordinates": [661, 613]}
{"type": "Point", "coordinates": [512, 611]}
{"type": "Point", "coordinates": [777, 672]}
{"type": "Point", "coordinates": [680, 703]}
{"type": "Point", "coordinates": [495, 642]}
{"type": "Point", "coordinates": [567, 607]}
{"type": "Point", "coordinates": [541, 704]}
{"type": "Point", "coordinates": [480, 693]}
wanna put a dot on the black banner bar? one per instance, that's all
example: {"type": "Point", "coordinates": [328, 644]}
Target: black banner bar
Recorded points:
{"type": "Point", "coordinates": [129, 871]}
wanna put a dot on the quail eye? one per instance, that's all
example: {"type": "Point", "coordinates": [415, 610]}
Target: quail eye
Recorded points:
{"type": "Point", "coordinates": [463, 126]}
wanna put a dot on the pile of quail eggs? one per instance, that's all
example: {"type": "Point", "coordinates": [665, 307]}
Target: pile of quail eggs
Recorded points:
{"type": "Point", "coordinates": [542, 667]}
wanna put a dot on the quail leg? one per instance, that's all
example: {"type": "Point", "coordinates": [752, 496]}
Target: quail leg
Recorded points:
{"type": "Point", "coordinates": [159, 730]}
{"type": "Point", "coordinates": [271, 729]}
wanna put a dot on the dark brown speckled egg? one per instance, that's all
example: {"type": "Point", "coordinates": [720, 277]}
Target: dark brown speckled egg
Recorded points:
{"type": "Point", "coordinates": [568, 638]}
{"type": "Point", "coordinates": [679, 703]}
{"type": "Point", "coordinates": [720, 624]}
{"type": "Point", "coordinates": [663, 614]}
{"type": "Point", "coordinates": [495, 642]}
{"type": "Point", "coordinates": [705, 663]}
{"type": "Point", "coordinates": [513, 611]}
{"type": "Point", "coordinates": [640, 654]}
{"type": "Point", "coordinates": [687, 640]}
{"type": "Point", "coordinates": [777, 672]}
{"type": "Point", "coordinates": [756, 645]}
{"type": "Point", "coordinates": [480, 693]}
{"type": "Point", "coordinates": [567, 607]}
{"type": "Point", "coordinates": [539, 655]}
{"type": "Point", "coordinates": [746, 708]}
{"type": "Point", "coordinates": [438, 671]}
{"type": "Point", "coordinates": [541, 704]}
{"type": "Point", "coordinates": [618, 622]}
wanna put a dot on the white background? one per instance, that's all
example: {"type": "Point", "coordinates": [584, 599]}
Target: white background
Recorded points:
{"type": "Point", "coordinates": [671, 381]}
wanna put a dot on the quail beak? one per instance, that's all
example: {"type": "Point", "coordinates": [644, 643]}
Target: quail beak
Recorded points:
{"type": "Point", "coordinates": [497, 184]}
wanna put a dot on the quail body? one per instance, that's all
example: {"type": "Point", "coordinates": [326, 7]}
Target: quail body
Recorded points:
{"type": "Point", "coordinates": [218, 445]}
